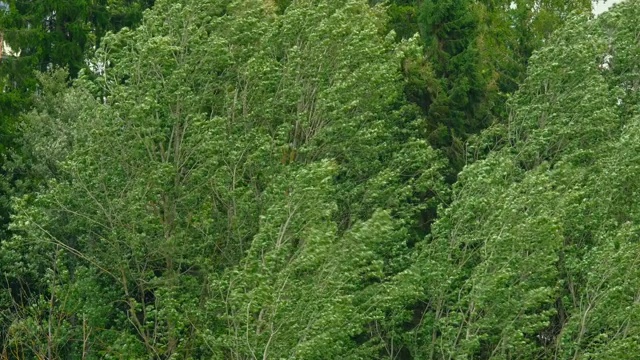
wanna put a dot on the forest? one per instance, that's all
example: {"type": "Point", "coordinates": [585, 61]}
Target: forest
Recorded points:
{"type": "Point", "coordinates": [319, 179]}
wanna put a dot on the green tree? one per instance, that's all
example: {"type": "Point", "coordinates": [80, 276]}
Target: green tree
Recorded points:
{"type": "Point", "coordinates": [403, 17]}
{"type": "Point", "coordinates": [50, 33]}
{"type": "Point", "coordinates": [47, 35]}
{"type": "Point", "coordinates": [533, 257]}
{"type": "Point", "coordinates": [476, 54]}
{"type": "Point", "coordinates": [228, 154]}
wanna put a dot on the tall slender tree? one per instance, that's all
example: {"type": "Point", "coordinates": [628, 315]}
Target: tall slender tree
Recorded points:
{"type": "Point", "coordinates": [450, 31]}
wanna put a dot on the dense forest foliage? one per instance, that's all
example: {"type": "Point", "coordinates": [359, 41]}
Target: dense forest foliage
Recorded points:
{"type": "Point", "coordinates": [320, 179]}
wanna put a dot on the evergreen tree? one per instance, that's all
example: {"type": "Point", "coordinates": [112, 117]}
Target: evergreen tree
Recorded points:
{"type": "Point", "coordinates": [476, 54]}
{"type": "Point", "coordinates": [450, 30]}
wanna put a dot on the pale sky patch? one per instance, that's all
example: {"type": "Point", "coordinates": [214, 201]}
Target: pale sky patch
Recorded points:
{"type": "Point", "coordinates": [604, 6]}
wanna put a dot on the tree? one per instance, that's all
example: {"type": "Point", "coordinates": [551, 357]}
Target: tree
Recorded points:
{"type": "Point", "coordinates": [533, 253]}
{"type": "Point", "coordinates": [476, 54]}
{"type": "Point", "coordinates": [227, 147]}
{"type": "Point", "coordinates": [47, 35]}
{"type": "Point", "coordinates": [450, 29]}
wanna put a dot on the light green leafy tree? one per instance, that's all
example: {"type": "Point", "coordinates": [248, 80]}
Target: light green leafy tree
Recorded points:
{"type": "Point", "coordinates": [535, 257]}
{"type": "Point", "coordinates": [228, 159]}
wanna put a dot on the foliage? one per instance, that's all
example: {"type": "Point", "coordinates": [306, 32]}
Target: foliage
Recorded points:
{"type": "Point", "coordinates": [475, 55]}
{"type": "Point", "coordinates": [46, 35]}
{"type": "Point", "coordinates": [533, 257]}
{"type": "Point", "coordinates": [229, 160]}
{"type": "Point", "coordinates": [257, 179]}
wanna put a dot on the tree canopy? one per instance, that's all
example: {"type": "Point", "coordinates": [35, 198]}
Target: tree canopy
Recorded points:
{"type": "Point", "coordinates": [322, 179]}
